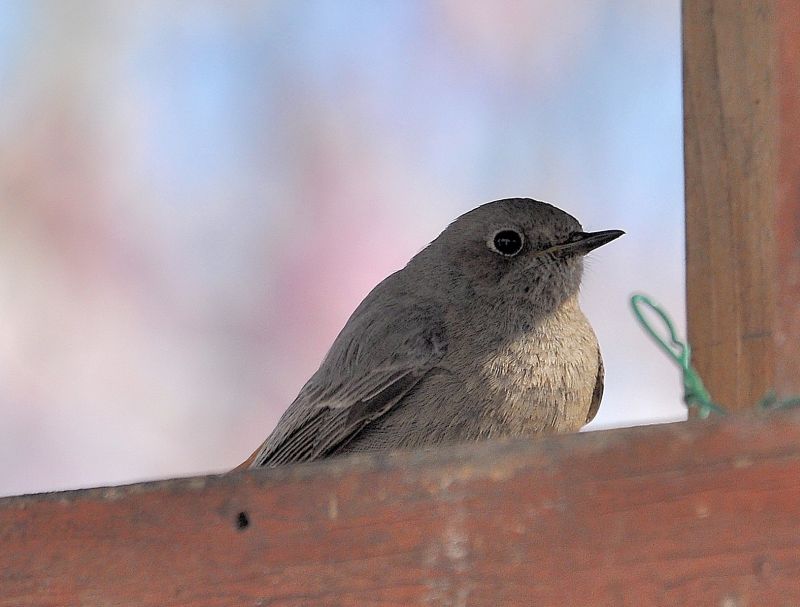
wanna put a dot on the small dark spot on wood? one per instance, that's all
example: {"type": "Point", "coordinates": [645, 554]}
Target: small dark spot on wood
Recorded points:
{"type": "Point", "coordinates": [761, 566]}
{"type": "Point", "coordinates": [242, 521]}
{"type": "Point", "coordinates": [527, 289]}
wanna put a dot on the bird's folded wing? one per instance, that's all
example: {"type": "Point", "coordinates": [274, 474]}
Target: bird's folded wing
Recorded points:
{"type": "Point", "coordinates": [376, 360]}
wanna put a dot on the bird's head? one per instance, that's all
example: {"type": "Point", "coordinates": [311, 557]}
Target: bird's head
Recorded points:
{"type": "Point", "coordinates": [518, 252]}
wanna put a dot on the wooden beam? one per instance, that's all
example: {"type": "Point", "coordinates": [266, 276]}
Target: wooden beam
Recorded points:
{"type": "Point", "coordinates": [787, 337]}
{"type": "Point", "coordinates": [742, 166]}
{"type": "Point", "coordinates": [697, 513]}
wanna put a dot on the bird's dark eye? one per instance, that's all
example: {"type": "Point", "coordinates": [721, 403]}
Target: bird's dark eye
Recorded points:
{"type": "Point", "coordinates": [507, 242]}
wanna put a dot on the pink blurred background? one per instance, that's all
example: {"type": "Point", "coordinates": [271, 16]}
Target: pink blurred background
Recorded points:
{"type": "Point", "coordinates": [195, 196]}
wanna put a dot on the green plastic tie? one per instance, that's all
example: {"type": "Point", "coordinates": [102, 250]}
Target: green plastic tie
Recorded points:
{"type": "Point", "coordinates": [695, 393]}
{"type": "Point", "coordinates": [771, 402]}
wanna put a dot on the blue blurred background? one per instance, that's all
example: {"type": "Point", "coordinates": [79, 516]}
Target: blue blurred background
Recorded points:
{"type": "Point", "coordinates": [195, 196]}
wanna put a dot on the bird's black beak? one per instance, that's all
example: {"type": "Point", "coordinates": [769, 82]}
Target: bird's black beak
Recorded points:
{"type": "Point", "coordinates": [580, 243]}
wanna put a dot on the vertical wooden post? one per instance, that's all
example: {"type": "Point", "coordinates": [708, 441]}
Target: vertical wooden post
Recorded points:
{"type": "Point", "coordinates": [787, 337]}
{"type": "Point", "coordinates": [742, 163]}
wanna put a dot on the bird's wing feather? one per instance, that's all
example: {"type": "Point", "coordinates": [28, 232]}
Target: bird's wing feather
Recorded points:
{"type": "Point", "coordinates": [597, 395]}
{"type": "Point", "coordinates": [375, 361]}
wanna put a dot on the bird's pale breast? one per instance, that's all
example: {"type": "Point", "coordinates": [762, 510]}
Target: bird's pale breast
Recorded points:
{"type": "Point", "coordinates": [543, 379]}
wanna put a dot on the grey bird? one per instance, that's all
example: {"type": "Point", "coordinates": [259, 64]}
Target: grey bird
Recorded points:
{"type": "Point", "coordinates": [480, 336]}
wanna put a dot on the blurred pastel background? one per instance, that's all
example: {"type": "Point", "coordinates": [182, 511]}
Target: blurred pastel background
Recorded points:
{"type": "Point", "coordinates": [195, 195]}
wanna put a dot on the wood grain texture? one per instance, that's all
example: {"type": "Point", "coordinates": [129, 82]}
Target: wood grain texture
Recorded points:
{"type": "Point", "coordinates": [696, 513]}
{"type": "Point", "coordinates": [787, 325]}
{"type": "Point", "coordinates": [742, 131]}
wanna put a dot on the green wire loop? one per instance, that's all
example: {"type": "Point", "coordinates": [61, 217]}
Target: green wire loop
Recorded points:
{"type": "Point", "coordinates": [695, 393]}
